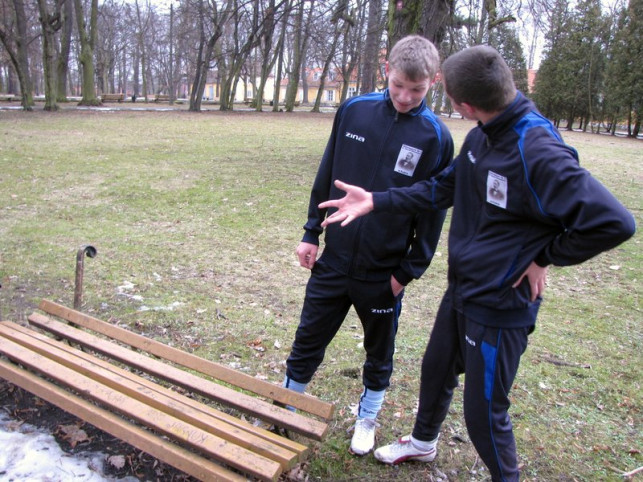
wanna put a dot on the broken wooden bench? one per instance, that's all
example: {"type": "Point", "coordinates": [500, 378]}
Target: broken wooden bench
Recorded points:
{"type": "Point", "coordinates": [199, 438]}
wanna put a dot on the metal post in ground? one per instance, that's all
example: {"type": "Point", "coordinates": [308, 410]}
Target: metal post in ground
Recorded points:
{"type": "Point", "coordinates": [80, 268]}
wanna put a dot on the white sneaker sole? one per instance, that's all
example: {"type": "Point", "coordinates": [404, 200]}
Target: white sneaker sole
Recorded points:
{"type": "Point", "coordinates": [429, 457]}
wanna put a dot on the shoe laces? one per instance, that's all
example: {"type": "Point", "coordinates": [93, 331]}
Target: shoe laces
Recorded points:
{"type": "Point", "coordinates": [364, 426]}
{"type": "Point", "coordinates": [403, 445]}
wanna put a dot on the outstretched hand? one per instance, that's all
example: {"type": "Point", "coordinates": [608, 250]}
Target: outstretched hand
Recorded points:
{"type": "Point", "coordinates": [356, 203]}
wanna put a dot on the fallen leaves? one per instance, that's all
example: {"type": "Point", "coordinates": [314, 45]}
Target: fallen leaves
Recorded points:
{"type": "Point", "coordinates": [116, 461]}
{"type": "Point", "coordinates": [73, 434]}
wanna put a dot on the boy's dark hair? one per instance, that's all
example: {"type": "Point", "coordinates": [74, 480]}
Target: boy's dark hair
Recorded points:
{"type": "Point", "coordinates": [480, 77]}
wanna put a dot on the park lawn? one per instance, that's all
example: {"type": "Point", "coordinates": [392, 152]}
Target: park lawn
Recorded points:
{"type": "Point", "coordinates": [196, 218]}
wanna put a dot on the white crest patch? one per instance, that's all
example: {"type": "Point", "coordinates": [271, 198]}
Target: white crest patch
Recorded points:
{"type": "Point", "coordinates": [497, 190]}
{"type": "Point", "coordinates": [407, 160]}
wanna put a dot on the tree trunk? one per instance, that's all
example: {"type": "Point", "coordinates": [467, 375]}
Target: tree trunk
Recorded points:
{"type": "Point", "coordinates": [269, 54]}
{"type": "Point", "coordinates": [201, 75]}
{"type": "Point", "coordinates": [277, 90]}
{"type": "Point", "coordinates": [171, 83]}
{"type": "Point", "coordinates": [49, 23]}
{"type": "Point", "coordinates": [143, 21]}
{"type": "Point", "coordinates": [351, 52]}
{"type": "Point", "coordinates": [637, 128]}
{"type": "Point", "coordinates": [206, 50]}
{"type": "Point", "coordinates": [428, 18]}
{"type": "Point", "coordinates": [299, 49]}
{"type": "Point", "coordinates": [202, 61]}
{"type": "Point", "coordinates": [62, 66]}
{"type": "Point", "coordinates": [371, 47]}
{"type": "Point", "coordinates": [87, 41]}
{"type": "Point", "coordinates": [329, 59]}
{"type": "Point", "coordinates": [16, 46]}
{"type": "Point", "coordinates": [241, 54]}
{"type": "Point", "coordinates": [136, 73]}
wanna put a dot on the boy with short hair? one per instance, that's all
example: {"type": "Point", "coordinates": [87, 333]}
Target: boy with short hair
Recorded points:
{"type": "Point", "coordinates": [379, 140]}
{"type": "Point", "coordinates": [521, 202]}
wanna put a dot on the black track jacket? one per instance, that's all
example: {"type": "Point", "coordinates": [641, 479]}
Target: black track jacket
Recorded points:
{"type": "Point", "coordinates": [518, 195]}
{"type": "Point", "coordinates": [373, 146]}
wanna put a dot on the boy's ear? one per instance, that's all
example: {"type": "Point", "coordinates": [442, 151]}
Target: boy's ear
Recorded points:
{"type": "Point", "coordinates": [386, 68]}
{"type": "Point", "coordinates": [469, 110]}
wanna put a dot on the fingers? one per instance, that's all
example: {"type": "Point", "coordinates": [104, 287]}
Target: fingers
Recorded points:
{"type": "Point", "coordinates": [517, 283]}
{"type": "Point", "coordinates": [337, 217]}
{"type": "Point", "coordinates": [304, 261]}
{"type": "Point", "coordinates": [335, 203]}
{"type": "Point", "coordinates": [306, 254]}
{"type": "Point", "coordinates": [341, 185]}
{"type": "Point", "coordinates": [331, 203]}
{"type": "Point", "coordinates": [307, 262]}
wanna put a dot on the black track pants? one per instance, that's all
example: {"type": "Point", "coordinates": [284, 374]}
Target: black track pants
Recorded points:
{"type": "Point", "coordinates": [489, 358]}
{"type": "Point", "coordinates": [329, 296]}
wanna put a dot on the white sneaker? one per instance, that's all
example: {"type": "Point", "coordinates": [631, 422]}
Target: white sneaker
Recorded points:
{"type": "Point", "coordinates": [363, 439]}
{"type": "Point", "coordinates": [402, 450]}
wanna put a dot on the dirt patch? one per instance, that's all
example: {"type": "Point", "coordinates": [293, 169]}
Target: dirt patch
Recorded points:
{"type": "Point", "coordinates": [121, 459]}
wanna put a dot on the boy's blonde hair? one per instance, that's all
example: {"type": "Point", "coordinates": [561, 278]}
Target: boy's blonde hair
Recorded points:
{"type": "Point", "coordinates": [416, 57]}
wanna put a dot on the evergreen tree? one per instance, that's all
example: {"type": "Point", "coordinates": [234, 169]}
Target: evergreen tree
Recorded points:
{"type": "Point", "coordinates": [505, 39]}
{"type": "Point", "coordinates": [554, 78]}
{"type": "Point", "coordinates": [624, 82]}
{"type": "Point", "coordinates": [570, 78]}
{"type": "Point", "coordinates": [589, 39]}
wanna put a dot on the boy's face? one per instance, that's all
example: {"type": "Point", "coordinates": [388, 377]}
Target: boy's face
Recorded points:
{"type": "Point", "coordinates": [406, 94]}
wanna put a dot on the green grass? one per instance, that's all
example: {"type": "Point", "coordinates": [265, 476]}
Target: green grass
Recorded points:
{"type": "Point", "coordinates": [196, 218]}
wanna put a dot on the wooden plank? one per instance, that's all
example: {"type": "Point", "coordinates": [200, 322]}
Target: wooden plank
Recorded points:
{"type": "Point", "coordinates": [300, 401]}
{"type": "Point", "coordinates": [257, 408]}
{"type": "Point", "coordinates": [286, 443]}
{"type": "Point", "coordinates": [178, 457]}
{"type": "Point", "coordinates": [145, 391]}
{"type": "Point", "coordinates": [215, 447]}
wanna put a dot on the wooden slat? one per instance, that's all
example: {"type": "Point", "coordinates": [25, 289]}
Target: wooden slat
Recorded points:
{"type": "Point", "coordinates": [258, 408]}
{"type": "Point", "coordinates": [216, 447]}
{"type": "Point", "coordinates": [269, 390]}
{"type": "Point", "coordinates": [178, 457]}
{"type": "Point", "coordinates": [286, 443]}
{"type": "Point", "coordinates": [145, 391]}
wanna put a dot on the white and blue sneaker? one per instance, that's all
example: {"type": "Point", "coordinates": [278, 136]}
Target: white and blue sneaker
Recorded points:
{"type": "Point", "coordinates": [363, 439]}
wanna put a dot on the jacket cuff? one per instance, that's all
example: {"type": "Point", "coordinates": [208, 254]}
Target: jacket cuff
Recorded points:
{"type": "Point", "coordinates": [381, 202]}
{"type": "Point", "coordinates": [402, 277]}
{"type": "Point", "coordinates": [311, 238]}
{"type": "Point", "coordinates": [542, 260]}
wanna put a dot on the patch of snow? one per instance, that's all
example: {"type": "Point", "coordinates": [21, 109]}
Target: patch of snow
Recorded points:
{"type": "Point", "coordinates": [30, 454]}
{"type": "Point", "coordinates": [170, 307]}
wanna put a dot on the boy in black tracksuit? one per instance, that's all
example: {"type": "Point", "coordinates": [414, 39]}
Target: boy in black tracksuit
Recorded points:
{"type": "Point", "coordinates": [379, 140]}
{"type": "Point", "coordinates": [520, 203]}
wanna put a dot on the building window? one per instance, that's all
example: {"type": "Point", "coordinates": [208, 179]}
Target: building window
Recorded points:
{"type": "Point", "coordinates": [330, 96]}
{"type": "Point", "coordinates": [352, 92]}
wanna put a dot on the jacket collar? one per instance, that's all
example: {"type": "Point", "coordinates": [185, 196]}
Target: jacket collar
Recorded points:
{"type": "Point", "coordinates": [499, 125]}
{"type": "Point", "coordinates": [412, 112]}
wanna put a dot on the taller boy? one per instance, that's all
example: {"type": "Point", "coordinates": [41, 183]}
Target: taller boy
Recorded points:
{"type": "Point", "coordinates": [379, 140]}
